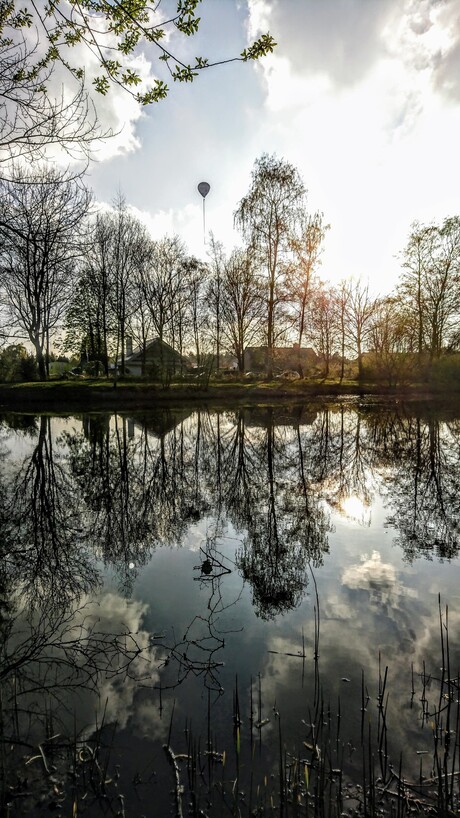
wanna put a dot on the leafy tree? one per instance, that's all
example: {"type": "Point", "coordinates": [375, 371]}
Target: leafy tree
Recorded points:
{"type": "Point", "coordinates": [33, 40]}
{"type": "Point", "coordinates": [112, 33]}
{"type": "Point", "coordinates": [40, 220]}
{"type": "Point", "coordinates": [31, 118]}
{"type": "Point", "coordinates": [266, 217]}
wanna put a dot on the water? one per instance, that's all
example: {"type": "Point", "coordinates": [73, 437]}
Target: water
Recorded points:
{"type": "Point", "coordinates": [236, 587]}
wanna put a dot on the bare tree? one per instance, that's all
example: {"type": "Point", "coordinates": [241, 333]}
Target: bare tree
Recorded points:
{"type": "Point", "coordinates": [341, 300]}
{"type": "Point", "coordinates": [160, 283]}
{"type": "Point", "coordinates": [90, 320]}
{"type": "Point", "coordinates": [359, 310]}
{"type": "Point", "coordinates": [411, 285]}
{"type": "Point", "coordinates": [391, 341]}
{"type": "Point", "coordinates": [121, 248]}
{"type": "Point", "coordinates": [266, 217]}
{"type": "Point", "coordinates": [429, 288]}
{"type": "Point", "coordinates": [40, 221]}
{"type": "Point", "coordinates": [323, 324]}
{"type": "Point", "coordinates": [216, 265]}
{"type": "Point", "coordinates": [243, 304]}
{"type": "Point", "coordinates": [195, 274]}
{"type": "Point", "coordinates": [306, 244]}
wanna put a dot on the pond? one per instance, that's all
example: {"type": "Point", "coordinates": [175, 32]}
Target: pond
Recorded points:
{"type": "Point", "coordinates": [244, 612]}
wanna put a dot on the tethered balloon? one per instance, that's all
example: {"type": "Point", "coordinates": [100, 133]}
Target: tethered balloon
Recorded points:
{"type": "Point", "coordinates": [204, 189]}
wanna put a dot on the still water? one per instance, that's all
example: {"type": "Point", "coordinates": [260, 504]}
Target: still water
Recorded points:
{"type": "Point", "coordinates": [229, 613]}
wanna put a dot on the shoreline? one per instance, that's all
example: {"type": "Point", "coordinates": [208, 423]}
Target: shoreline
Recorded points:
{"type": "Point", "coordinates": [93, 396]}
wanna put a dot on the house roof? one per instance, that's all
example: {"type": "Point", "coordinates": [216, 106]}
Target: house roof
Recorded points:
{"type": "Point", "coordinates": [137, 353]}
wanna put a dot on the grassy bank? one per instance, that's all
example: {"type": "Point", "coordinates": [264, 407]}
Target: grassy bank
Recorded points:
{"type": "Point", "coordinates": [101, 394]}
{"type": "Point", "coordinates": [93, 393]}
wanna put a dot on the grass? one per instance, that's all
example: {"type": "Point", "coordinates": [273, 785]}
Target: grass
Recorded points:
{"type": "Point", "coordinates": [245, 774]}
{"type": "Point", "coordinates": [250, 769]}
{"type": "Point", "coordinates": [100, 393]}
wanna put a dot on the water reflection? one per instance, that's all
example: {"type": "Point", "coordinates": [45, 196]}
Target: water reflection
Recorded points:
{"type": "Point", "coordinates": [43, 527]}
{"type": "Point", "coordinates": [213, 525]}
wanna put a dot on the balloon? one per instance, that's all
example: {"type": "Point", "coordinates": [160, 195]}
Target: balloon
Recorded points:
{"type": "Point", "coordinates": [204, 188]}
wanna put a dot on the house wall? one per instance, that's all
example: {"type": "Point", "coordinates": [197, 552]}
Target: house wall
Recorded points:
{"type": "Point", "coordinates": [283, 358]}
{"type": "Point", "coordinates": [156, 359]}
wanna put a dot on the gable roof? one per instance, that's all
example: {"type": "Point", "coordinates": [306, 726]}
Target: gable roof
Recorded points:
{"type": "Point", "coordinates": [136, 355]}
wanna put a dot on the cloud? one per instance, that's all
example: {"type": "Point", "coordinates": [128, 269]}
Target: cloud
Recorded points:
{"type": "Point", "coordinates": [375, 577]}
{"type": "Point", "coordinates": [447, 68]}
{"type": "Point", "coordinates": [345, 39]}
{"type": "Point", "coordinates": [113, 614]}
{"type": "Point", "coordinates": [117, 112]}
{"type": "Point", "coordinates": [337, 38]}
{"type": "Point", "coordinates": [46, 644]}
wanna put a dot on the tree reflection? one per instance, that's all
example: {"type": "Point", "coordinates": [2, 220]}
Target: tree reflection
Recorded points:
{"type": "Point", "coordinates": [119, 488]}
{"type": "Point", "coordinates": [424, 489]}
{"type": "Point", "coordinates": [285, 528]}
{"type": "Point", "coordinates": [43, 528]}
{"type": "Point", "coordinates": [138, 489]}
{"type": "Point", "coordinates": [342, 460]}
{"type": "Point", "coordinates": [61, 672]}
{"type": "Point", "coordinates": [114, 489]}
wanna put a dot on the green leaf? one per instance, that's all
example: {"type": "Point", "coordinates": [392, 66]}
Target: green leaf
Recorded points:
{"type": "Point", "coordinates": [259, 48]}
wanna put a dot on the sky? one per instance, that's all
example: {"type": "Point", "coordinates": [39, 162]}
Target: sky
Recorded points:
{"type": "Point", "coordinates": [362, 96]}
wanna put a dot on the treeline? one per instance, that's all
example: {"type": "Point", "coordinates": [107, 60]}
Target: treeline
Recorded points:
{"type": "Point", "coordinates": [81, 279]}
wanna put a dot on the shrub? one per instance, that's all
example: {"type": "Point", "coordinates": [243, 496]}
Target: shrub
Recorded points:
{"type": "Point", "coordinates": [16, 364]}
{"type": "Point", "coordinates": [390, 368]}
{"type": "Point", "coordinates": [445, 373]}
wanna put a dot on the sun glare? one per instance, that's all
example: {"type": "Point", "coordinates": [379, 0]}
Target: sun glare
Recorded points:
{"type": "Point", "coordinates": [355, 510]}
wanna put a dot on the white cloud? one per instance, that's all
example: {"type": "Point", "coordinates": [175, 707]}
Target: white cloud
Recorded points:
{"type": "Point", "coordinates": [374, 140]}
{"type": "Point", "coordinates": [111, 694]}
{"type": "Point", "coordinates": [358, 95]}
{"type": "Point", "coordinates": [117, 112]}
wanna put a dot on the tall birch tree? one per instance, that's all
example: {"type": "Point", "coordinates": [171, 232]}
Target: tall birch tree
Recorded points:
{"type": "Point", "coordinates": [267, 216]}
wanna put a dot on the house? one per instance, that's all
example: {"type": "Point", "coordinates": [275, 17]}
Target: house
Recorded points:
{"type": "Point", "coordinates": [294, 357]}
{"type": "Point", "coordinates": [155, 359]}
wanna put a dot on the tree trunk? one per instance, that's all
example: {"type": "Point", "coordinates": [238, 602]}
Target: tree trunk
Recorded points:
{"type": "Point", "coordinates": [41, 364]}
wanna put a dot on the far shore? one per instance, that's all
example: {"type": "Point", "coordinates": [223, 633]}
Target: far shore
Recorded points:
{"type": "Point", "coordinates": [100, 394]}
